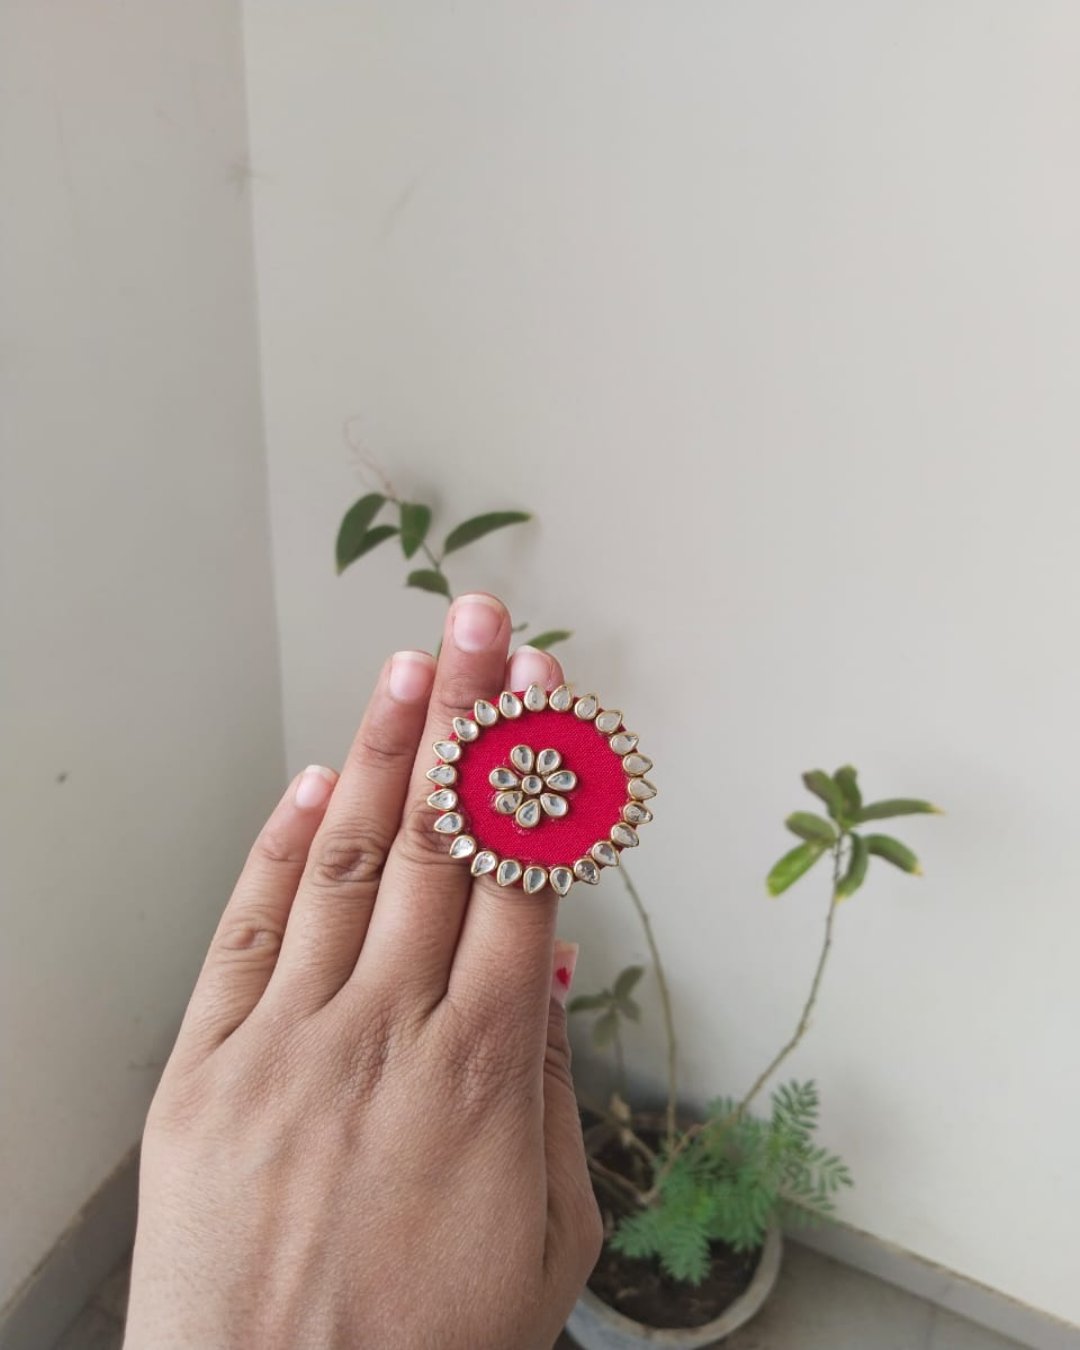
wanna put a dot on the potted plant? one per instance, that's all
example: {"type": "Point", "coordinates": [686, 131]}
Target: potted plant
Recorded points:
{"type": "Point", "coordinates": [693, 1205]}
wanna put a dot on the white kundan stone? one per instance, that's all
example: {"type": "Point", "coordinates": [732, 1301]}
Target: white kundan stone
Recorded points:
{"type": "Point", "coordinates": [485, 713]}
{"type": "Point", "coordinates": [641, 789]}
{"type": "Point", "coordinates": [561, 699]}
{"type": "Point", "coordinates": [532, 785]}
{"type": "Point", "coordinates": [535, 879]}
{"type": "Point", "coordinates": [561, 879]}
{"type": "Point", "coordinates": [528, 813]}
{"type": "Point", "coordinates": [450, 823]}
{"type": "Point", "coordinates": [624, 835]}
{"type": "Point", "coordinates": [485, 861]}
{"type": "Point", "coordinates": [586, 708]}
{"type": "Point", "coordinates": [445, 774]}
{"type": "Point", "coordinates": [443, 800]}
{"type": "Point", "coordinates": [607, 855]}
{"type": "Point", "coordinates": [623, 742]}
{"type": "Point", "coordinates": [586, 870]}
{"type": "Point", "coordinates": [547, 761]}
{"type": "Point", "coordinates": [509, 704]}
{"type": "Point", "coordinates": [465, 729]}
{"type": "Point", "coordinates": [464, 846]}
{"type": "Point", "coordinates": [504, 779]}
{"type": "Point", "coordinates": [522, 758]}
{"type": "Point", "coordinates": [535, 698]}
{"type": "Point", "coordinates": [506, 803]}
{"type": "Point", "coordinates": [636, 765]}
{"type": "Point", "coordinates": [448, 750]}
{"type": "Point", "coordinates": [608, 721]}
{"type": "Point", "coordinates": [508, 872]}
{"type": "Point", "coordinates": [562, 780]}
{"type": "Point", "coordinates": [553, 804]}
{"type": "Point", "coordinates": [636, 814]}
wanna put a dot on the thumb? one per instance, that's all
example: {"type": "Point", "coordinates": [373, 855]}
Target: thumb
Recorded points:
{"type": "Point", "coordinates": [576, 1229]}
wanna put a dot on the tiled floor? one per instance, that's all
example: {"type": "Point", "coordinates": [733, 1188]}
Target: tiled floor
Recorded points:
{"type": "Point", "coordinates": [818, 1305]}
{"type": "Point", "coordinates": [821, 1305]}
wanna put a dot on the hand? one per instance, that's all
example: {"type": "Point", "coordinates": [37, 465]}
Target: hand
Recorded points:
{"type": "Point", "coordinates": [366, 1135]}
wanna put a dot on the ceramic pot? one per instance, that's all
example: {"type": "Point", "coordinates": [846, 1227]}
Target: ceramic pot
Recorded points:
{"type": "Point", "coordinates": [595, 1326]}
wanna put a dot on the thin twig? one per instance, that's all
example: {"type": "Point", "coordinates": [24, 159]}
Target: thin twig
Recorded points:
{"type": "Point", "coordinates": [665, 1004]}
{"type": "Point", "coordinates": [374, 468]}
{"type": "Point", "coordinates": [626, 1131]}
{"type": "Point", "coordinates": [614, 1179]}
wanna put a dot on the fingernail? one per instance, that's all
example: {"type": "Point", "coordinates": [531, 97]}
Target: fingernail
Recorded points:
{"type": "Point", "coordinates": [528, 666]}
{"type": "Point", "coordinates": [411, 676]}
{"type": "Point", "coordinates": [315, 786]}
{"type": "Point", "coordinates": [562, 976]}
{"type": "Point", "coordinates": [477, 620]}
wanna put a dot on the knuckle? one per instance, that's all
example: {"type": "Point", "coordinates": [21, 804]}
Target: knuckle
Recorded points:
{"type": "Point", "coordinates": [557, 1055]}
{"type": "Point", "coordinates": [479, 1058]}
{"type": "Point", "coordinates": [369, 1053]}
{"type": "Point", "coordinates": [457, 694]}
{"type": "Point", "coordinates": [277, 847]}
{"type": "Point", "coordinates": [347, 859]}
{"type": "Point", "coordinates": [375, 748]}
{"type": "Point", "coordinates": [557, 1065]}
{"type": "Point", "coordinates": [249, 935]}
{"type": "Point", "coordinates": [419, 845]}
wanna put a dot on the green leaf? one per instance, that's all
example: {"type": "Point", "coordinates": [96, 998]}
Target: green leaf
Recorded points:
{"type": "Point", "coordinates": [896, 806]}
{"type": "Point", "coordinates": [373, 538]}
{"type": "Point", "coordinates": [605, 1029]}
{"type": "Point", "coordinates": [821, 785]}
{"type": "Point", "coordinates": [846, 779]}
{"type": "Point", "coordinates": [475, 528]}
{"type": "Point", "coordinates": [427, 579]}
{"type": "Point", "coordinates": [415, 521]}
{"type": "Point", "coordinates": [588, 1002]}
{"type": "Point", "coordinates": [626, 979]}
{"type": "Point", "coordinates": [354, 528]}
{"type": "Point", "coordinates": [809, 826]}
{"type": "Point", "coordinates": [543, 641]}
{"type": "Point", "coordinates": [792, 866]}
{"type": "Point", "coordinates": [630, 1009]}
{"type": "Point", "coordinates": [855, 875]}
{"type": "Point", "coordinates": [893, 851]}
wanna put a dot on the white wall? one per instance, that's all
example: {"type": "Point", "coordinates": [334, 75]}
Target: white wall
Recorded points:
{"type": "Point", "coordinates": [772, 312]}
{"type": "Point", "coordinates": [141, 742]}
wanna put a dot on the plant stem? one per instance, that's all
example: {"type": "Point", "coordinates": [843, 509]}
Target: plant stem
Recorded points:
{"type": "Point", "coordinates": [613, 1179]}
{"type": "Point", "coordinates": [390, 493]}
{"type": "Point", "coordinates": [622, 1128]}
{"type": "Point", "coordinates": [665, 1004]}
{"type": "Point", "coordinates": [733, 1117]}
{"type": "Point", "coordinates": [808, 1008]}
{"type": "Point", "coordinates": [620, 1062]}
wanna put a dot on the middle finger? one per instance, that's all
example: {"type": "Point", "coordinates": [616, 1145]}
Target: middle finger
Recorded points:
{"type": "Point", "coordinates": [424, 892]}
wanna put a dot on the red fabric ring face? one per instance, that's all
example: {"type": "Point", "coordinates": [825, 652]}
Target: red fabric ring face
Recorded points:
{"type": "Point", "coordinates": [541, 789]}
{"type": "Point", "coordinates": [594, 804]}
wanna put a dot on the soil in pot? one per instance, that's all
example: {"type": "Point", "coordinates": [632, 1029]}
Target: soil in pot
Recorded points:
{"type": "Point", "coordinates": [639, 1289]}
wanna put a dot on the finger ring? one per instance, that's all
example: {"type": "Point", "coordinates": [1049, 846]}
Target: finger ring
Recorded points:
{"type": "Point", "coordinates": [540, 789]}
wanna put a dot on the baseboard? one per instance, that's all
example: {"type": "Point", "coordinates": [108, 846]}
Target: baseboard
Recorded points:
{"type": "Point", "coordinates": [95, 1243]}
{"type": "Point", "coordinates": [957, 1294]}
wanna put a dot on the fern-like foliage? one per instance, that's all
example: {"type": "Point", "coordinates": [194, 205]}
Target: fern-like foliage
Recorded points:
{"type": "Point", "coordinates": [738, 1175]}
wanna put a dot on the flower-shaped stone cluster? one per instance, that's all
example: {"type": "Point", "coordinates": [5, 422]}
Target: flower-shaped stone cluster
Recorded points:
{"type": "Point", "coordinates": [534, 787]}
